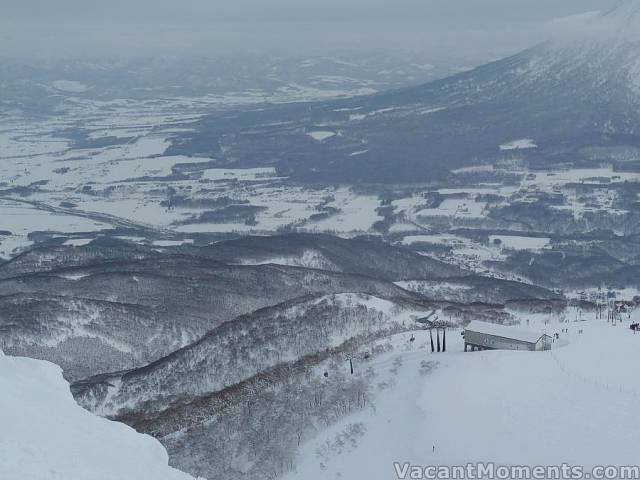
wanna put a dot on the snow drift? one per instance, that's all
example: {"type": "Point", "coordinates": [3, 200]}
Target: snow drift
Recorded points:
{"type": "Point", "coordinates": [46, 435]}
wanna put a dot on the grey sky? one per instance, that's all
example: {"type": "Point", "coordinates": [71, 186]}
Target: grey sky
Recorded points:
{"type": "Point", "coordinates": [70, 28]}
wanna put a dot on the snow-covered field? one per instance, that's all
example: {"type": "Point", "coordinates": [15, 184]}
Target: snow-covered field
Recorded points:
{"type": "Point", "coordinates": [126, 181]}
{"type": "Point", "coordinates": [64, 184]}
{"type": "Point", "coordinates": [321, 135]}
{"type": "Point", "coordinates": [47, 436]}
{"type": "Point", "coordinates": [463, 206]}
{"type": "Point", "coordinates": [465, 252]}
{"type": "Point", "coordinates": [521, 144]}
{"type": "Point", "coordinates": [575, 405]}
{"type": "Point", "coordinates": [518, 242]}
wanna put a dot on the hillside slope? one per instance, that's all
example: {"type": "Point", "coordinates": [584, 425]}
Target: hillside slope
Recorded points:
{"type": "Point", "coordinates": [100, 309]}
{"type": "Point", "coordinates": [360, 256]}
{"type": "Point", "coordinates": [459, 408]}
{"type": "Point", "coordinates": [246, 346]}
{"type": "Point", "coordinates": [239, 402]}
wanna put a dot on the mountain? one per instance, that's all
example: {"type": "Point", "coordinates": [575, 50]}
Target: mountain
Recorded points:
{"type": "Point", "coordinates": [571, 100]}
{"type": "Point", "coordinates": [85, 336]}
{"type": "Point", "coordinates": [241, 400]}
{"type": "Point", "coordinates": [624, 19]}
{"type": "Point", "coordinates": [97, 308]}
{"type": "Point", "coordinates": [42, 87]}
{"type": "Point", "coordinates": [478, 289]}
{"type": "Point", "coordinates": [361, 256]}
{"type": "Point", "coordinates": [111, 306]}
{"type": "Point", "coordinates": [246, 346]}
{"type": "Point", "coordinates": [577, 267]}
{"type": "Point", "coordinates": [190, 343]}
{"type": "Point", "coordinates": [46, 435]}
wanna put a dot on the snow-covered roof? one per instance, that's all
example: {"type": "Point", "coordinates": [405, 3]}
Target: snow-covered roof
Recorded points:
{"type": "Point", "coordinates": [504, 331]}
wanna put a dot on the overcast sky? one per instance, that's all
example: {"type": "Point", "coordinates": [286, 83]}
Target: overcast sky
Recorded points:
{"type": "Point", "coordinates": [70, 28]}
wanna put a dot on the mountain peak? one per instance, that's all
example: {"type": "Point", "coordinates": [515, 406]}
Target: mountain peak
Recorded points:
{"type": "Point", "coordinates": [624, 8]}
{"type": "Point", "coordinates": [624, 18]}
{"type": "Point", "coordinates": [614, 31]}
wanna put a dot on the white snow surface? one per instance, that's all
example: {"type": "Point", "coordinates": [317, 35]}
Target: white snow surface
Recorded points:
{"type": "Point", "coordinates": [576, 404]}
{"type": "Point", "coordinates": [308, 258]}
{"type": "Point", "coordinates": [321, 135]}
{"type": "Point", "coordinates": [47, 436]}
{"type": "Point", "coordinates": [70, 86]}
{"type": "Point", "coordinates": [518, 242]}
{"type": "Point", "coordinates": [521, 144]}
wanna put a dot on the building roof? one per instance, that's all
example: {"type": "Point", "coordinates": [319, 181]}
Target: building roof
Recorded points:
{"type": "Point", "coordinates": [496, 330]}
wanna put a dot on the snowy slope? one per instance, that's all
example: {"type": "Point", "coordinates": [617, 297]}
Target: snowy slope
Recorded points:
{"type": "Point", "coordinates": [511, 408]}
{"type": "Point", "coordinates": [47, 436]}
{"type": "Point", "coordinates": [277, 335]}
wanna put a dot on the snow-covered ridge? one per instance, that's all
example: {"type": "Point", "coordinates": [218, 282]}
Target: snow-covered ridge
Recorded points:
{"type": "Point", "coordinates": [309, 258]}
{"type": "Point", "coordinates": [625, 14]}
{"type": "Point", "coordinates": [621, 22]}
{"type": "Point", "coordinates": [47, 436]}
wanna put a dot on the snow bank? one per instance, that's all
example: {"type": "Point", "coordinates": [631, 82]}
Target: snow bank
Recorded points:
{"type": "Point", "coordinates": [46, 435]}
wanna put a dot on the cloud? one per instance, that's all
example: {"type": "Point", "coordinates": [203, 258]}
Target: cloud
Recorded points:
{"type": "Point", "coordinates": [67, 28]}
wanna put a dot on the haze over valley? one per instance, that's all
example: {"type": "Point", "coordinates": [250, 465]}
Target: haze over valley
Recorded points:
{"type": "Point", "coordinates": [246, 248]}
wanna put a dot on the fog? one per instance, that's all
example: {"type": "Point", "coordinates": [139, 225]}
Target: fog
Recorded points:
{"type": "Point", "coordinates": [82, 28]}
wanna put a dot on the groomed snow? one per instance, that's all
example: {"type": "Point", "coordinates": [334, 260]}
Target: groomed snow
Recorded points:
{"type": "Point", "coordinates": [575, 404]}
{"type": "Point", "coordinates": [45, 435]}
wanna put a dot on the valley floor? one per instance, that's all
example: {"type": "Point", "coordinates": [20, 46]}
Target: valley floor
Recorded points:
{"type": "Point", "coordinates": [572, 405]}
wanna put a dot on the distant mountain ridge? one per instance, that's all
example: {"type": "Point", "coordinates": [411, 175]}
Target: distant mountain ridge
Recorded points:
{"type": "Point", "coordinates": [113, 305]}
{"type": "Point", "coordinates": [361, 256]}
{"type": "Point", "coordinates": [564, 96]}
{"type": "Point", "coordinates": [108, 315]}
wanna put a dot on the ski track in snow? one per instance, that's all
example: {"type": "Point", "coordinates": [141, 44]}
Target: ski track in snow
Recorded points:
{"type": "Point", "coordinates": [511, 408]}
